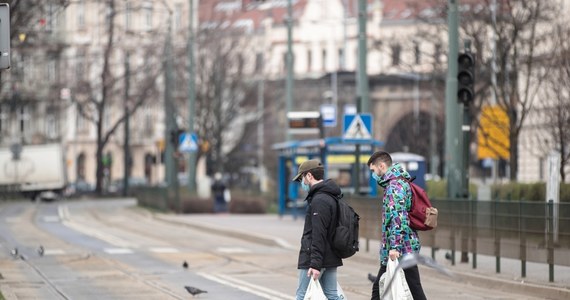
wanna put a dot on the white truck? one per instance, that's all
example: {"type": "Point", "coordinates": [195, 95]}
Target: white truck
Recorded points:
{"type": "Point", "coordinates": [36, 171]}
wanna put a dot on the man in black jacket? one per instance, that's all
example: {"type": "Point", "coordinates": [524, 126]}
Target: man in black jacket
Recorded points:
{"type": "Point", "coordinates": [316, 257]}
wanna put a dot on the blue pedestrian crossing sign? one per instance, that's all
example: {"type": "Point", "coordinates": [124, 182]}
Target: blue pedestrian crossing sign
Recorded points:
{"type": "Point", "coordinates": [357, 127]}
{"type": "Point", "coordinates": [188, 142]}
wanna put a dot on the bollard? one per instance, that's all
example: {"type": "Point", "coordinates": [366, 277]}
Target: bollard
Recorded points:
{"type": "Point", "coordinates": [550, 240]}
{"type": "Point", "coordinates": [497, 240]}
{"type": "Point", "coordinates": [522, 236]}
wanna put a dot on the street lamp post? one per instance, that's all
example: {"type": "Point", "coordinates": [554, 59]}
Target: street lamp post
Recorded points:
{"type": "Point", "coordinates": [191, 95]}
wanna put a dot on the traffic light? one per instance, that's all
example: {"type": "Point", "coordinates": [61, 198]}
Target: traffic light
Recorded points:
{"type": "Point", "coordinates": [466, 78]}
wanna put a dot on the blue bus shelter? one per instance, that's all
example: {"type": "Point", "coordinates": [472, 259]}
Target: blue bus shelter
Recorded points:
{"type": "Point", "coordinates": [339, 159]}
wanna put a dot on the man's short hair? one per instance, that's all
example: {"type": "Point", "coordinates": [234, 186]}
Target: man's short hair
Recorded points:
{"type": "Point", "coordinates": [380, 156]}
{"type": "Point", "coordinates": [318, 173]}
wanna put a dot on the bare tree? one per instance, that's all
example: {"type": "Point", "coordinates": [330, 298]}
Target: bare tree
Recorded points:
{"type": "Point", "coordinates": [555, 108]}
{"type": "Point", "coordinates": [521, 28]}
{"type": "Point", "coordinates": [223, 94]}
{"type": "Point", "coordinates": [102, 93]}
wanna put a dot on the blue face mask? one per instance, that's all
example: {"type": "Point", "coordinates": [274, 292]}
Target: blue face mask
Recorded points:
{"type": "Point", "coordinates": [305, 186]}
{"type": "Point", "coordinates": [376, 177]}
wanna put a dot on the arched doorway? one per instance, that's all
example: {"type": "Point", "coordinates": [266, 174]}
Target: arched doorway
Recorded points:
{"type": "Point", "coordinates": [411, 134]}
{"type": "Point", "coordinates": [80, 167]}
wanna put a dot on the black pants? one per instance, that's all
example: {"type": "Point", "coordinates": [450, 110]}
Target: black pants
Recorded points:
{"type": "Point", "coordinates": [412, 277]}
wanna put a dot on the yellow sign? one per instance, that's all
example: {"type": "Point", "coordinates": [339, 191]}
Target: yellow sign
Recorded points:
{"type": "Point", "coordinates": [493, 134]}
{"type": "Point", "coordinates": [337, 159]}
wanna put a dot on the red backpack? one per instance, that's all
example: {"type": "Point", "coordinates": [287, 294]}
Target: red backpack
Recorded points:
{"type": "Point", "coordinates": [423, 216]}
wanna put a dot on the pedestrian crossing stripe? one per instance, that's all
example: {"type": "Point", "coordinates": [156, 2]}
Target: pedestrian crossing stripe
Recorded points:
{"type": "Point", "coordinates": [188, 143]}
{"type": "Point", "coordinates": [118, 250]}
{"type": "Point", "coordinates": [357, 129]}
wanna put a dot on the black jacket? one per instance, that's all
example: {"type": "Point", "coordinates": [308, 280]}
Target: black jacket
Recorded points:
{"type": "Point", "coordinates": [320, 222]}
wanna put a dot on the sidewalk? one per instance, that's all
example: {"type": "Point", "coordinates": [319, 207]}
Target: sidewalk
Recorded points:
{"type": "Point", "coordinates": [286, 232]}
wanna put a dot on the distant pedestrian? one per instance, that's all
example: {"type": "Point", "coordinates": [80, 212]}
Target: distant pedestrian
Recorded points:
{"type": "Point", "coordinates": [398, 238]}
{"type": "Point", "coordinates": [316, 257]}
{"type": "Point", "coordinates": [218, 192]}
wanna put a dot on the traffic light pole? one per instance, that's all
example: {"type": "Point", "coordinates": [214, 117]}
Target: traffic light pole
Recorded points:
{"type": "Point", "coordinates": [453, 140]}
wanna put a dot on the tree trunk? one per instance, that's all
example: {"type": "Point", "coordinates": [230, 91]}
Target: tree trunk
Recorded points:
{"type": "Point", "coordinates": [99, 160]}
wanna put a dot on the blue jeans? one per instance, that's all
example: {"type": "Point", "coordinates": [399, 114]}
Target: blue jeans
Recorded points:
{"type": "Point", "coordinates": [327, 280]}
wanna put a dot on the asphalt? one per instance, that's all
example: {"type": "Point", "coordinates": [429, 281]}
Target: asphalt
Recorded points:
{"type": "Point", "coordinates": [286, 231]}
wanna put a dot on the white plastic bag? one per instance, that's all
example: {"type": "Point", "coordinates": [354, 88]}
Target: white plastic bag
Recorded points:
{"type": "Point", "coordinates": [340, 292]}
{"type": "Point", "coordinates": [399, 289]}
{"type": "Point", "coordinates": [315, 291]}
{"type": "Point", "coordinates": [227, 195]}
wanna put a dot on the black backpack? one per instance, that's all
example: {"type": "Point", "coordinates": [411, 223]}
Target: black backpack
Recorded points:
{"type": "Point", "coordinates": [345, 237]}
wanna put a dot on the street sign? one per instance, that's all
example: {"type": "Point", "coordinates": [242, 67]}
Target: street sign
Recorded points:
{"type": "Point", "coordinates": [328, 112]}
{"type": "Point", "coordinates": [4, 36]}
{"type": "Point", "coordinates": [357, 127]}
{"type": "Point", "coordinates": [493, 134]}
{"type": "Point", "coordinates": [188, 142]}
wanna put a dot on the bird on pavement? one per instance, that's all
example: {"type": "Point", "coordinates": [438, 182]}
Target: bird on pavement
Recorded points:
{"type": "Point", "coordinates": [185, 265]}
{"type": "Point", "coordinates": [194, 291]}
{"type": "Point", "coordinates": [41, 250]}
{"type": "Point", "coordinates": [14, 252]}
{"type": "Point", "coordinates": [371, 277]}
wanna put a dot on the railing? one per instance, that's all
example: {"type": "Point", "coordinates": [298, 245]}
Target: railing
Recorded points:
{"type": "Point", "coordinates": [526, 231]}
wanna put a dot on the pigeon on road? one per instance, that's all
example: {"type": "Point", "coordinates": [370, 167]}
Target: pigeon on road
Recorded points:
{"type": "Point", "coordinates": [185, 265]}
{"type": "Point", "coordinates": [194, 291]}
{"type": "Point", "coordinates": [41, 250]}
{"type": "Point", "coordinates": [14, 252]}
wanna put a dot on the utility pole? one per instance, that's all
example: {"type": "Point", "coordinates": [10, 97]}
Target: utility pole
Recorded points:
{"type": "Point", "coordinates": [191, 96]}
{"type": "Point", "coordinates": [363, 103]}
{"type": "Point", "coordinates": [126, 155]}
{"type": "Point", "coordinates": [453, 113]}
{"type": "Point", "coordinates": [170, 163]}
{"type": "Point", "coordinates": [289, 81]}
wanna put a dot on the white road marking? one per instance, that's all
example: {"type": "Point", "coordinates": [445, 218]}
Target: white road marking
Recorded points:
{"type": "Point", "coordinates": [85, 229]}
{"type": "Point", "coordinates": [51, 219]}
{"type": "Point", "coordinates": [54, 252]}
{"type": "Point", "coordinates": [118, 250]}
{"type": "Point", "coordinates": [247, 287]}
{"type": "Point", "coordinates": [163, 250]}
{"type": "Point", "coordinates": [232, 250]}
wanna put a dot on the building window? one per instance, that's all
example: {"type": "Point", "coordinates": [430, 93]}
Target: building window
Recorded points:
{"type": "Point", "coordinates": [3, 118]}
{"type": "Point", "coordinates": [81, 121]}
{"type": "Point", "coordinates": [417, 53]}
{"type": "Point", "coordinates": [80, 65]}
{"type": "Point", "coordinates": [309, 61]}
{"type": "Point", "coordinates": [341, 62]}
{"type": "Point", "coordinates": [324, 64]}
{"type": "Point", "coordinates": [24, 119]}
{"type": "Point", "coordinates": [178, 16]}
{"type": "Point", "coordinates": [81, 14]}
{"type": "Point", "coordinates": [128, 11]}
{"type": "Point", "coordinates": [148, 15]}
{"type": "Point", "coordinates": [51, 70]}
{"type": "Point", "coordinates": [259, 62]}
{"type": "Point", "coordinates": [108, 15]}
{"type": "Point", "coordinates": [396, 52]}
{"type": "Point", "coordinates": [437, 53]}
{"type": "Point", "coordinates": [147, 115]}
{"type": "Point", "coordinates": [51, 123]}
